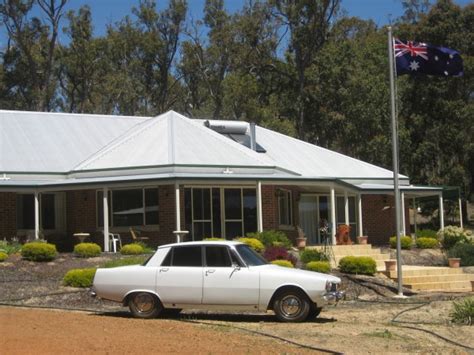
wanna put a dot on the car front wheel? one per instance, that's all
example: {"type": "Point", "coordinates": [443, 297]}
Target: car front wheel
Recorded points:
{"type": "Point", "coordinates": [291, 306]}
{"type": "Point", "coordinates": [144, 305]}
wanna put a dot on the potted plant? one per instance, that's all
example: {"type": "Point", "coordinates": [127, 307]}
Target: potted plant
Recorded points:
{"type": "Point", "coordinates": [301, 239]}
{"type": "Point", "coordinates": [454, 262]}
{"type": "Point", "coordinates": [362, 239]}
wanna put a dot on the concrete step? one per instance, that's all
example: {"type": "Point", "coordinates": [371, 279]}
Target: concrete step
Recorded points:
{"type": "Point", "coordinates": [461, 286]}
{"type": "Point", "coordinates": [437, 278]}
{"type": "Point", "coordinates": [425, 271]}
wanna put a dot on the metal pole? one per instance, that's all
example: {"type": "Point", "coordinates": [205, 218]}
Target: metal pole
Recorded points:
{"type": "Point", "coordinates": [105, 202]}
{"type": "Point", "coordinates": [178, 212]}
{"type": "Point", "coordinates": [333, 216]}
{"type": "Point", "coordinates": [460, 213]}
{"type": "Point", "coordinates": [441, 211]}
{"type": "Point", "coordinates": [395, 159]}
{"type": "Point", "coordinates": [259, 207]}
{"type": "Point", "coordinates": [37, 215]}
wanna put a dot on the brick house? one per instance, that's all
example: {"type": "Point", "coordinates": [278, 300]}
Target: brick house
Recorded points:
{"type": "Point", "coordinates": [62, 174]}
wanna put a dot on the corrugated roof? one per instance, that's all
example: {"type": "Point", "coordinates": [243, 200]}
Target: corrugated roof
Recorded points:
{"type": "Point", "coordinates": [55, 142]}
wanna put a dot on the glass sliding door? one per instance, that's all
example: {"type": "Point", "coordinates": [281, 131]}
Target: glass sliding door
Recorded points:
{"type": "Point", "coordinates": [315, 212]}
{"type": "Point", "coordinates": [341, 214]}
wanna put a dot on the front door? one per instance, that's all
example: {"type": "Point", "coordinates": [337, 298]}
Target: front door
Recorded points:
{"type": "Point", "coordinates": [314, 214]}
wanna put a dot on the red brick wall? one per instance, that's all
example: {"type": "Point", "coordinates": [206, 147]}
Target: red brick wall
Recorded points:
{"type": "Point", "coordinates": [7, 215]}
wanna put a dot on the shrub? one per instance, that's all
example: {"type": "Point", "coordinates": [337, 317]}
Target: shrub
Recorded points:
{"type": "Point", "coordinates": [426, 233]}
{"type": "Point", "coordinates": [463, 311]}
{"type": "Point", "coordinates": [213, 239]}
{"type": "Point", "coordinates": [284, 263]}
{"type": "Point", "coordinates": [451, 235]}
{"type": "Point", "coordinates": [38, 251]}
{"type": "Point", "coordinates": [319, 266]}
{"type": "Point", "coordinates": [10, 247]}
{"type": "Point", "coordinates": [358, 265]}
{"type": "Point", "coordinates": [3, 256]}
{"type": "Point", "coordinates": [271, 238]}
{"type": "Point", "coordinates": [254, 243]}
{"type": "Point", "coordinates": [87, 250]}
{"type": "Point", "coordinates": [465, 251]}
{"type": "Point", "coordinates": [79, 277]}
{"type": "Point", "coordinates": [146, 248]}
{"type": "Point", "coordinates": [427, 243]}
{"type": "Point", "coordinates": [133, 260]}
{"type": "Point", "coordinates": [405, 242]}
{"type": "Point", "coordinates": [278, 253]}
{"type": "Point", "coordinates": [132, 249]}
{"type": "Point", "coordinates": [309, 255]}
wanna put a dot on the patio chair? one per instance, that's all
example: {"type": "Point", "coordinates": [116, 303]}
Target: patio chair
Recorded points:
{"type": "Point", "coordinates": [114, 239]}
{"type": "Point", "coordinates": [136, 236]}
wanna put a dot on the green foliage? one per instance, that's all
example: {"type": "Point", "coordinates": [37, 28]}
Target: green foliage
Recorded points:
{"type": "Point", "coordinates": [254, 243]}
{"type": "Point", "coordinates": [451, 235]}
{"type": "Point", "coordinates": [146, 248]}
{"type": "Point", "coordinates": [213, 239]}
{"type": "Point", "coordinates": [10, 247]}
{"type": "Point", "coordinates": [79, 277]}
{"type": "Point", "coordinates": [132, 249]}
{"type": "Point", "coordinates": [463, 311]}
{"type": "Point", "coordinates": [271, 238]}
{"type": "Point", "coordinates": [358, 265]}
{"type": "Point", "coordinates": [465, 251]}
{"type": "Point", "coordinates": [426, 233]}
{"type": "Point", "coordinates": [309, 255]}
{"type": "Point", "coordinates": [124, 261]}
{"type": "Point", "coordinates": [3, 256]}
{"type": "Point", "coordinates": [405, 241]}
{"type": "Point", "coordinates": [319, 266]}
{"type": "Point", "coordinates": [87, 250]}
{"type": "Point", "coordinates": [38, 251]}
{"type": "Point", "coordinates": [284, 263]}
{"type": "Point", "coordinates": [427, 243]}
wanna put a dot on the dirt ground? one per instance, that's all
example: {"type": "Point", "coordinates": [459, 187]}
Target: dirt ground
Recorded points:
{"type": "Point", "coordinates": [361, 324]}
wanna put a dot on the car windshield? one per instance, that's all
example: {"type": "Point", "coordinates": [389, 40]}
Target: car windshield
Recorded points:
{"type": "Point", "coordinates": [250, 257]}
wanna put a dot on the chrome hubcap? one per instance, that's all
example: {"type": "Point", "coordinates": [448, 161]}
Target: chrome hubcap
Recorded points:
{"type": "Point", "coordinates": [144, 302]}
{"type": "Point", "coordinates": [290, 305]}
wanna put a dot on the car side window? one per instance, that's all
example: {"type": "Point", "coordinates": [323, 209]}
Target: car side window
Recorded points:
{"type": "Point", "coordinates": [187, 256]}
{"type": "Point", "coordinates": [167, 260]}
{"type": "Point", "coordinates": [218, 256]}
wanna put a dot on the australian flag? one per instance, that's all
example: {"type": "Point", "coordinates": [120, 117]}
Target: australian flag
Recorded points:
{"type": "Point", "coordinates": [417, 57]}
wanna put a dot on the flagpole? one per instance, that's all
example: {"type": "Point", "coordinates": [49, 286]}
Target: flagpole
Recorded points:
{"type": "Point", "coordinates": [395, 160]}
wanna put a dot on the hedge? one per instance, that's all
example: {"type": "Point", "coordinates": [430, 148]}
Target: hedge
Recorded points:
{"type": "Point", "coordinates": [451, 235]}
{"type": "Point", "coordinates": [271, 238]}
{"type": "Point", "coordinates": [465, 251]}
{"type": "Point", "coordinates": [427, 243]}
{"type": "Point", "coordinates": [358, 265]}
{"type": "Point", "coordinates": [405, 241]}
{"type": "Point", "coordinates": [132, 249]}
{"type": "Point", "coordinates": [278, 253]}
{"type": "Point", "coordinates": [426, 233]}
{"type": "Point", "coordinates": [3, 256]}
{"type": "Point", "coordinates": [254, 243]}
{"type": "Point", "coordinates": [87, 250]}
{"type": "Point", "coordinates": [38, 251]}
{"type": "Point", "coordinates": [319, 266]}
{"type": "Point", "coordinates": [79, 277]}
{"type": "Point", "coordinates": [309, 255]}
{"type": "Point", "coordinates": [284, 263]}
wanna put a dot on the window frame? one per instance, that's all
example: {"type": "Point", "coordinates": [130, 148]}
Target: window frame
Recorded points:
{"type": "Point", "coordinates": [288, 194]}
{"type": "Point", "coordinates": [216, 246]}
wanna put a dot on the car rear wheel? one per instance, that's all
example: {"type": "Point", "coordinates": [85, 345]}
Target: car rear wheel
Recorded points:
{"type": "Point", "coordinates": [314, 312]}
{"type": "Point", "coordinates": [291, 306]}
{"type": "Point", "coordinates": [144, 305]}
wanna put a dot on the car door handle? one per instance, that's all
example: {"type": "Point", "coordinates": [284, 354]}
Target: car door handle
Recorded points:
{"type": "Point", "coordinates": [210, 271]}
{"type": "Point", "coordinates": [164, 269]}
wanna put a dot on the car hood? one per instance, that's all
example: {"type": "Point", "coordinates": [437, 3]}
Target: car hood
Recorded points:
{"type": "Point", "coordinates": [296, 273]}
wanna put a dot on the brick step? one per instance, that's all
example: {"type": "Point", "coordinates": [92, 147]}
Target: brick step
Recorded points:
{"type": "Point", "coordinates": [441, 286]}
{"type": "Point", "coordinates": [437, 278]}
{"type": "Point", "coordinates": [425, 271]}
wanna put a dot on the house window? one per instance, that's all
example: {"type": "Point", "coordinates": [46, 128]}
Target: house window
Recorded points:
{"type": "Point", "coordinates": [131, 207]}
{"type": "Point", "coordinates": [341, 214]}
{"type": "Point", "coordinates": [285, 208]}
{"type": "Point", "coordinates": [25, 211]}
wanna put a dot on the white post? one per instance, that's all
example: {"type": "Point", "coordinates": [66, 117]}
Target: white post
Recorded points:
{"type": "Point", "coordinates": [441, 211]}
{"type": "Point", "coordinates": [460, 213]}
{"type": "Point", "coordinates": [105, 202]}
{"type": "Point", "coordinates": [359, 208]}
{"type": "Point", "coordinates": [259, 207]}
{"type": "Point", "coordinates": [37, 215]}
{"type": "Point", "coordinates": [346, 208]}
{"type": "Point", "coordinates": [404, 223]}
{"type": "Point", "coordinates": [178, 212]}
{"type": "Point", "coordinates": [333, 216]}
{"type": "Point", "coordinates": [415, 213]}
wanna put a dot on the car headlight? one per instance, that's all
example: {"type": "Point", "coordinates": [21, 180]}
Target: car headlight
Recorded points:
{"type": "Point", "coordinates": [331, 286]}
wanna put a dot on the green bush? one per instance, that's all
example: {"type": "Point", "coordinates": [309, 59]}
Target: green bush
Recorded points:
{"type": "Point", "coordinates": [124, 261]}
{"type": "Point", "coordinates": [10, 247]}
{"type": "Point", "coordinates": [426, 233]}
{"type": "Point", "coordinates": [271, 238]}
{"type": "Point", "coordinates": [132, 249]}
{"type": "Point", "coordinates": [405, 241]}
{"type": "Point", "coordinates": [358, 265]}
{"type": "Point", "coordinates": [427, 243]}
{"type": "Point", "coordinates": [309, 255]}
{"type": "Point", "coordinates": [38, 251]}
{"type": "Point", "coordinates": [284, 263]}
{"type": "Point", "coordinates": [319, 266]}
{"type": "Point", "coordinates": [79, 277]}
{"type": "Point", "coordinates": [465, 251]}
{"type": "Point", "coordinates": [451, 235]}
{"type": "Point", "coordinates": [87, 250]}
{"type": "Point", "coordinates": [463, 311]}
{"type": "Point", "coordinates": [214, 239]}
{"type": "Point", "coordinates": [3, 256]}
{"type": "Point", "coordinates": [146, 248]}
{"type": "Point", "coordinates": [254, 243]}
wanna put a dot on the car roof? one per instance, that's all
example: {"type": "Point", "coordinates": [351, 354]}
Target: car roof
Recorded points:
{"type": "Point", "coordinates": [203, 242]}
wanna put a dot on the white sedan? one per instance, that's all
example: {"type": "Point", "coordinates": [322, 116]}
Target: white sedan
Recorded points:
{"type": "Point", "coordinates": [216, 275]}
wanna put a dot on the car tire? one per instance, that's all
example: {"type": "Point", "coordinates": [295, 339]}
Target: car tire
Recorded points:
{"type": "Point", "coordinates": [291, 306]}
{"type": "Point", "coordinates": [314, 312]}
{"type": "Point", "coordinates": [144, 305]}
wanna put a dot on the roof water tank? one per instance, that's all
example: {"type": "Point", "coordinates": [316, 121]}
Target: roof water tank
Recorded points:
{"type": "Point", "coordinates": [227, 127]}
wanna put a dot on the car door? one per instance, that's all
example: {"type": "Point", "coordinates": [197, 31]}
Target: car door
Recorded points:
{"type": "Point", "coordinates": [226, 282]}
{"type": "Point", "coordinates": [180, 276]}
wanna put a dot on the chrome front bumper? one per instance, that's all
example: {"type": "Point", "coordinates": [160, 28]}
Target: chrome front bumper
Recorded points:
{"type": "Point", "coordinates": [333, 297]}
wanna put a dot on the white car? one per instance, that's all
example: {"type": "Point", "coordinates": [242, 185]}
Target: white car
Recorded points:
{"type": "Point", "coordinates": [216, 275]}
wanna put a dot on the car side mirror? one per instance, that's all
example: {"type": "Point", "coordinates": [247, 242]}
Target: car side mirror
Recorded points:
{"type": "Point", "coordinates": [236, 266]}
